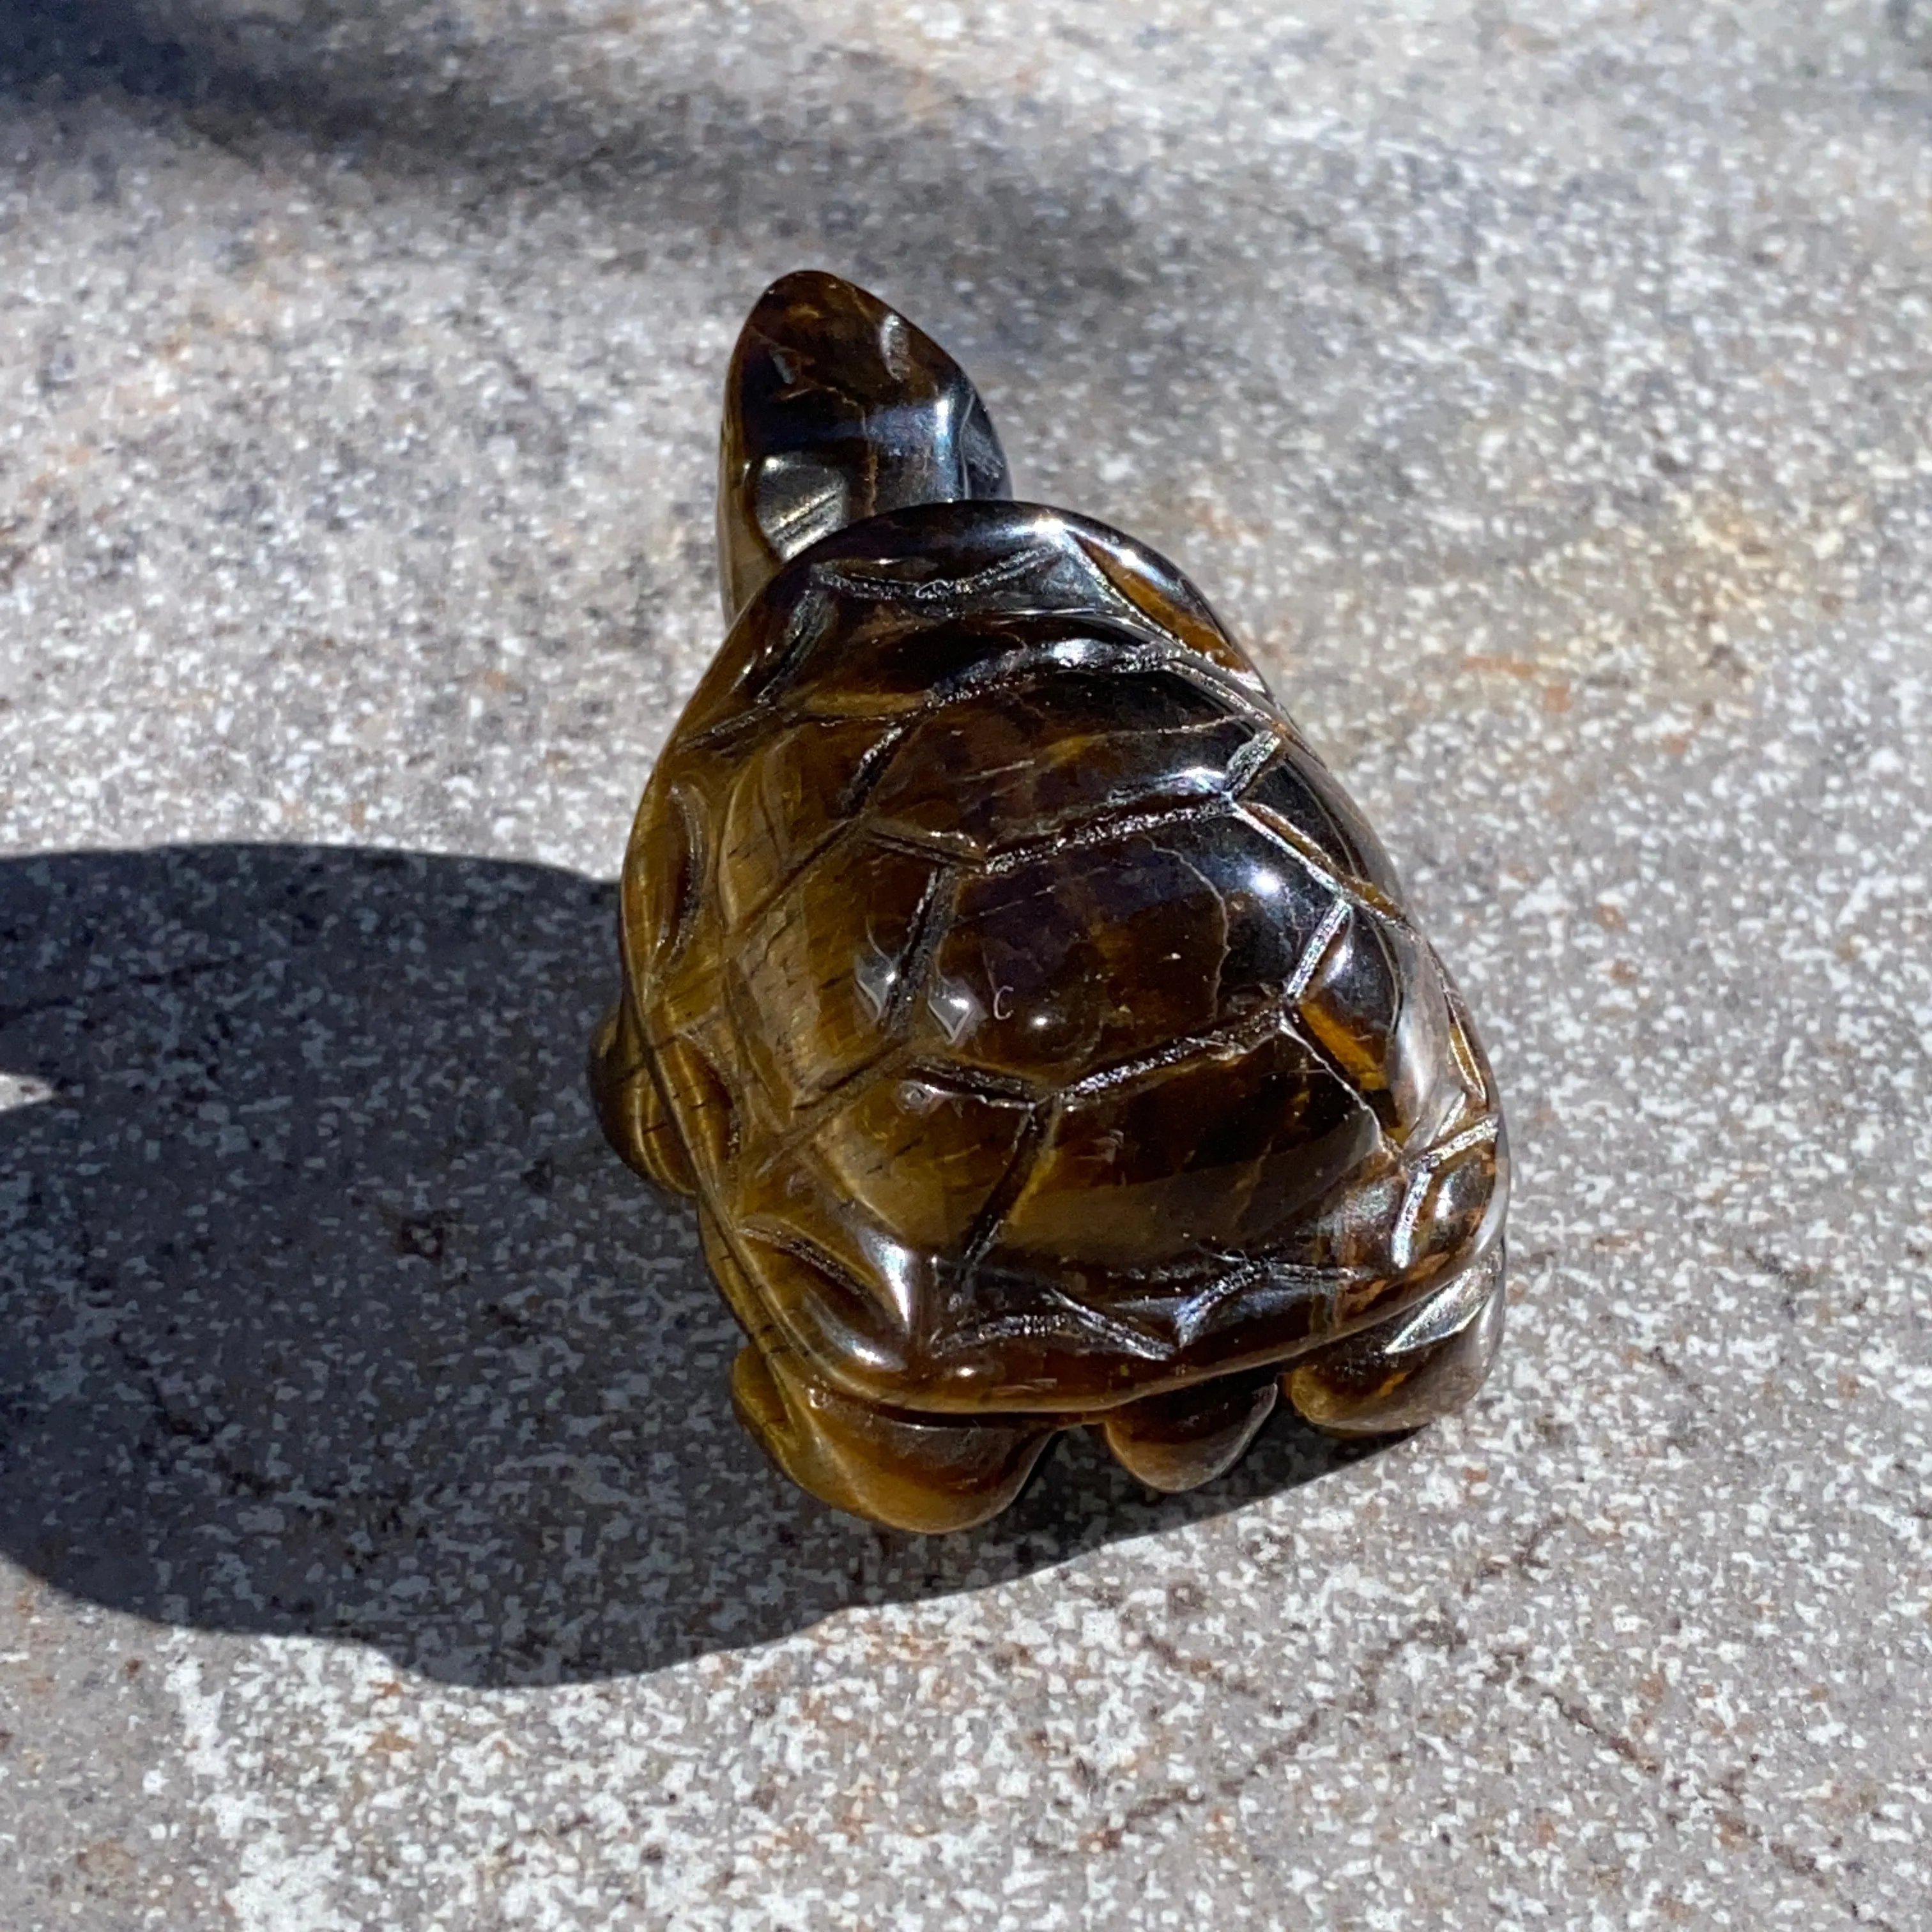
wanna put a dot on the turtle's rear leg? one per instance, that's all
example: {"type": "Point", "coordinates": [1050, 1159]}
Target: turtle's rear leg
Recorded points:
{"type": "Point", "coordinates": [926, 1474]}
{"type": "Point", "coordinates": [1414, 1369]}
{"type": "Point", "coordinates": [923, 1473]}
{"type": "Point", "coordinates": [1180, 1440]}
{"type": "Point", "coordinates": [1402, 1373]}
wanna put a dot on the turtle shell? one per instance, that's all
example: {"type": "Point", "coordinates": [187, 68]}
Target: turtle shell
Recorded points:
{"type": "Point", "coordinates": [1037, 1022]}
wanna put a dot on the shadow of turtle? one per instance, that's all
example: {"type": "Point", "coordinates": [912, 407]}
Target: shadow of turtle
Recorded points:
{"type": "Point", "coordinates": [324, 1309]}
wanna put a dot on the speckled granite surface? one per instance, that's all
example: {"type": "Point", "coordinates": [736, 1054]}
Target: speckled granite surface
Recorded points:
{"type": "Point", "coordinates": [1545, 391]}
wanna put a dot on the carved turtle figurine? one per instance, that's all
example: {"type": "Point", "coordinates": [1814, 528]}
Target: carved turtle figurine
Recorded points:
{"type": "Point", "coordinates": [1037, 1024]}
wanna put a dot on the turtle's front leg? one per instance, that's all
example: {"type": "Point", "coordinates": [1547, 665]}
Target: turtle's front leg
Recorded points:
{"type": "Point", "coordinates": [1413, 1368]}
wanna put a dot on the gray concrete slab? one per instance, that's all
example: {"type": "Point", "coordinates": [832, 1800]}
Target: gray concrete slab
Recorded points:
{"type": "Point", "coordinates": [1547, 393]}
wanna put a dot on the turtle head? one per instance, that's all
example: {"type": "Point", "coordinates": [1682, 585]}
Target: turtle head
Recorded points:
{"type": "Point", "coordinates": [837, 408]}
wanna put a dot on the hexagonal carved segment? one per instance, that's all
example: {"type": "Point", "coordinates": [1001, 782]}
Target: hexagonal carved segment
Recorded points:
{"type": "Point", "coordinates": [924, 1157]}
{"type": "Point", "coordinates": [1297, 790]}
{"type": "Point", "coordinates": [822, 979]}
{"type": "Point", "coordinates": [661, 882]}
{"type": "Point", "coordinates": [1093, 955]}
{"type": "Point", "coordinates": [1221, 1150]}
{"type": "Point", "coordinates": [1375, 1005]}
{"type": "Point", "coordinates": [990, 771]}
{"type": "Point", "coordinates": [785, 802]}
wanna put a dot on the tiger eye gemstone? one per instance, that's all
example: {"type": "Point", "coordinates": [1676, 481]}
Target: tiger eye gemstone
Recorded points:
{"type": "Point", "coordinates": [1040, 1028]}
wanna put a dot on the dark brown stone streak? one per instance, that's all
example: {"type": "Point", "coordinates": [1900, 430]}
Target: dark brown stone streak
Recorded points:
{"type": "Point", "coordinates": [1037, 1023]}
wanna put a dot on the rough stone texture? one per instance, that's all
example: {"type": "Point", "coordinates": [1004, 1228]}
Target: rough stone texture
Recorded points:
{"type": "Point", "coordinates": [1545, 392]}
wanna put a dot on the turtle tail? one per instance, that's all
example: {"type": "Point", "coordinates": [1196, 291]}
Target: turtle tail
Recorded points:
{"type": "Point", "coordinates": [836, 408]}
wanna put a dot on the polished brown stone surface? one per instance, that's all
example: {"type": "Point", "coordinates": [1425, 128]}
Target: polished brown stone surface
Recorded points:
{"type": "Point", "coordinates": [1038, 1025]}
